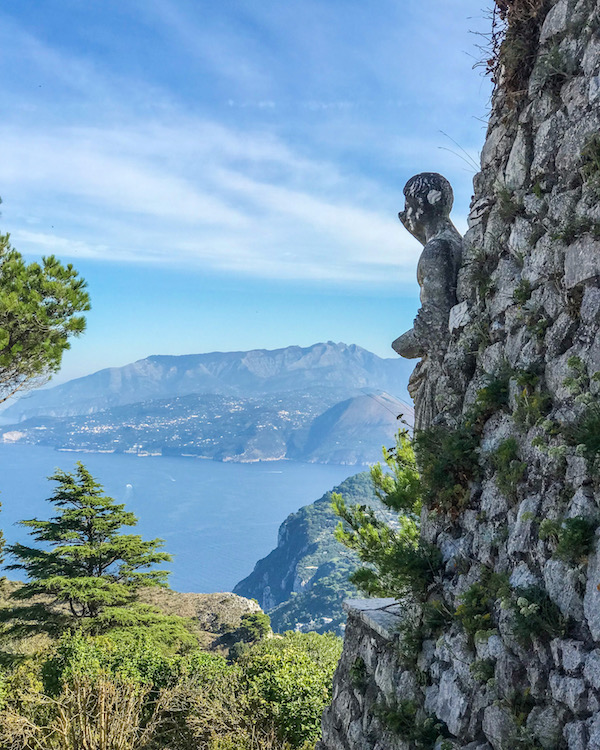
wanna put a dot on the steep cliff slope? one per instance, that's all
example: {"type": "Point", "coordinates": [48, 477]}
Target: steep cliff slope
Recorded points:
{"type": "Point", "coordinates": [507, 654]}
{"type": "Point", "coordinates": [304, 580]}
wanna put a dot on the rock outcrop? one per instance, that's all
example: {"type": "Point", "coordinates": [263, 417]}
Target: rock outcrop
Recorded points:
{"type": "Point", "coordinates": [507, 645]}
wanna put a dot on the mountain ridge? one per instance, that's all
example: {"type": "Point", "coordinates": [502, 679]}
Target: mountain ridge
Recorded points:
{"type": "Point", "coordinates": [240, 373]}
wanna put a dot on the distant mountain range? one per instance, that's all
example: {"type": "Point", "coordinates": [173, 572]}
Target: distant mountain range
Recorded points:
{"type": "Point", "coordinates": [326, 403]}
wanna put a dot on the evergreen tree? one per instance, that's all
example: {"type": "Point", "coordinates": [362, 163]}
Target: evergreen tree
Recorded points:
{"type": "Point", "coordinates": [39, 306]}
{"type": "Point", "coordinates": [397, 561]}
{"type": "Point", "coordinates": [85, 572]}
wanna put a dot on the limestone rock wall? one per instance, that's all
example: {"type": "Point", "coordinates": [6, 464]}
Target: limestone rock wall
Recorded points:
{"type": "Point", "coordinates": [513, 660]}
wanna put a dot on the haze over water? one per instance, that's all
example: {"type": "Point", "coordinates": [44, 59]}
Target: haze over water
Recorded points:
{"type": "Point", "coordinates": [217, 519]}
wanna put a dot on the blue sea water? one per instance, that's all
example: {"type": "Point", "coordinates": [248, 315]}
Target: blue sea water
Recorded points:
{"type": "Point", "coordinates": [217, 519]}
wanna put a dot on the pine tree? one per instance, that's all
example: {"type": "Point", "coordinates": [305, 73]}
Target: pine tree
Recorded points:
{"type": "Point", "coordinates": [396, 560]}
{"type": "Point", "coordinates": [85, 573]}
{"type": "Point", "coordinates": [39, 303]}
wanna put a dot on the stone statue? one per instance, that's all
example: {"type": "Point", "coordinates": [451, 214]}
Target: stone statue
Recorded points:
{"type": "Point", "coordinates": [426, 216]}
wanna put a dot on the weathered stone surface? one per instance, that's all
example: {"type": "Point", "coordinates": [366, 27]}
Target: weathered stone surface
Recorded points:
{"type": "Point", "coordinates": [576, 736]}
{"type": "Point", "coordinates": [527, 303]}
{"type": "Point", "coordinates": [591, 602]}
{"type": "Point", "coordinates": [582, 261]}
{"type": "Point", "coordinates": [546, 725]}
{"type": "Point", "coordinates": [563, 586]}
{"type": "Point", "coordinates": [569, 690]}
{"type": "Point", "coordinates": [556, 20]}
{"type": "Point", "coordinates": [591, 671]}
{"type": "Point", "coordinates": [499, 727]}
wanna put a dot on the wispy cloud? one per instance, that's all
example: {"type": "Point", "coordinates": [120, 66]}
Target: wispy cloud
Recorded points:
{"type": "Point", "coordinates": [116, 166]}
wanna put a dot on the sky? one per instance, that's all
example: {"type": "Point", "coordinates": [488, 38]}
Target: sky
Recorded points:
{"type": "Point", "coordinates": [227, 175]}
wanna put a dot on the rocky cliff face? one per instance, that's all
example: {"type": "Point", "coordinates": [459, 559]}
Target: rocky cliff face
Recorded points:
{"type": "Point", "coordinates": [508, 653]}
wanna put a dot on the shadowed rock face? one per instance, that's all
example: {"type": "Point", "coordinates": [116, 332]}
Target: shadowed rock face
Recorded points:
{"type": "Point", "coordinates": [527, 315]}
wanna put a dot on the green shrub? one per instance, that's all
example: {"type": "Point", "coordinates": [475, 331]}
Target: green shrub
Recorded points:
{"type": "Point", "coordinates": [448, 461]}
{"type": "Point", "coordinates": [509, 207]}
{"type": "Point", "coordinates": [477, 603]}
{"type": "Point", "coordinates": [359, 677]}
{"type": "Point", "coordinates": [532, 403]}
{"type": "Point", "coordinates": [535, 615]}
{"type": "Point", "coordinates": [573, 537]}
{"type": "Point", "coordinates": [585, 434]}
{"type": "Point", "coordinates": [509, 469]}
{"type": "Point", "coordinates": [436, 615]}
{"type": "Point", "coordinates": [522, 292]}
{"type": "Point", "coordinates": [289, 683]}
{"type": "Point", "coordinates": [590, 162]}
{"type": "Point", "coordinates": [492, 397]}
{"type": "Point", "coordinates": [482, 670]}
{"type": "Point", "coordinates": [408, 722]}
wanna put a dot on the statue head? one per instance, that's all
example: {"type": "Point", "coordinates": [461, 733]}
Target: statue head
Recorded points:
{"type": "Point", "coordinates": [429, 200]}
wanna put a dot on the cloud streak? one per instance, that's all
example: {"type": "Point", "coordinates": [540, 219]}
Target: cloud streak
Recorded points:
{"type": "Point", "coordinates": [290, 177]}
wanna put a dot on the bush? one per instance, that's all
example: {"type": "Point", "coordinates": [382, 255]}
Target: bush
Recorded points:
{"type": "Point", "coordinates": [448, 461]}
{"type": "Point", "coordinates": [573, 537]}
{"type": "Point", "coordinates": [509, 469]}
{"type": "Point", "coordinates": [289, 683]}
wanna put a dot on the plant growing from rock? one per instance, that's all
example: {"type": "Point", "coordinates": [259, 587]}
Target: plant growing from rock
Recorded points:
{"type": "Point", "coordinates": [359, 677]}
{"type": "Point", "coordinates": [436, 615]}
{"type": "Point", "coordinates": [590, 162]}
{"type": "Point", "coordinates": [572, 538]}
{"type": "Point", "coordinates": [475, 612]}
{"type": "Point", "coordinates": [532, 403]}
{"type": "Point", "coordinates": [448, 461]}
{"type": "Point", "coordinates": [522, 292]}
{"type": "Point", "coordinates": [482, 670]}
{"type": "Point", "coordinates": [410, 723]}
{"type": "Point", "coordinates": [509, 469]}
{"type": "Point", "coordinates": [396, 561]}
{"type": "Point", "coordinates": [509, 206]}
{"type": "Point", "coordinates": [490, 399]}
{"type": "Point", "coordinates": [534, 615]}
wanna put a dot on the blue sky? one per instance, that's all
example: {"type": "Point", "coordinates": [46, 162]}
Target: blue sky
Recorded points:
{"type": "Point", "coordinates": [227, 175]}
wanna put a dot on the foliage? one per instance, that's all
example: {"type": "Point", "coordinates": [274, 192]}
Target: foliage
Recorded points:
{"type": "Point", "coordinates": [513, 42]}
{"type": "Point", "coordinates": [358, 674]}
{"type": "Point", "coordinates": [509, 469]}
{"type": "Point", "coordinates": [399, 490]}
{"type": "Point", "coordinates": [436, 615]}
{"type": "Point", "coordinates": [522, 292]}
{"type": "Point", "coordinates": [508, 206]}
{"type": "Point", "coordinates": [477, 603]}
{"type": "Point", "coordinates": [573, 538]}
{"type": "Point", "coordinates": [492, 397]}
{"type": "Point", "coordinates": [397, 562]}
{"type": "Point", "coordinates": [480, 272]}
{"type": "Point", "coordinates": [289, 682]}
{"type": "Point", "coordinates": [590, 162]}
{"type": "Point", "coordinates": [39, 306]}
{"type": "Point", "coordinates": [482, 670]}
{"type": "Point", "coordinates": [404, 719]}
{"type": "Point", "coordinates": [575, 226]}
{"type": "Point", "coordinates": [98, 693]}
{"type": "Point", "coordinates": [532, 403]}
{"type": "Point", "coordinates": [448, 461]}
{"type": "Point", "coordinates": [87, 570]}
{"type": "Point", "coordinates": [535, 615]}
{"type": "Point", "coordinates": [585, 434]}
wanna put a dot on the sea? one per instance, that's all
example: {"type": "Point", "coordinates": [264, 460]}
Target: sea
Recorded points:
{"type": "Point", "coordinates": [217, 519]}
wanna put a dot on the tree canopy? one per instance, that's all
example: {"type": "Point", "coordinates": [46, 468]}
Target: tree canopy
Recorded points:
{"type": "Point", "coordinates": [39, 311]}
{"type": "Point", "coordinates": [85, 570]}
{"type": "Point", "coordinates": [396, 560]}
